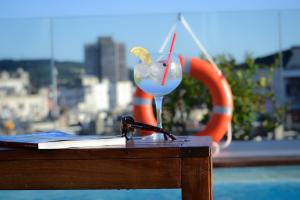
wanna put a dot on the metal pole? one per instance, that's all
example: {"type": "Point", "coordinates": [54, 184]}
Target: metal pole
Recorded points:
{"type": "Point", "coordinates": [54, 73]}
{"type": "Point", "coordinates": [281, 70]}
{"type": "Point", "coordinates": [280, 39]}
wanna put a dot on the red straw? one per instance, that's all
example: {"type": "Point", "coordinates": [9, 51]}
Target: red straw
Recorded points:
{"type": "Point", "coordinates": [168, 60]}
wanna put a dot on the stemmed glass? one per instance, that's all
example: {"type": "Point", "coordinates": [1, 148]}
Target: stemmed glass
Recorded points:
{"type": "Point", "coordinates": [149, 78]}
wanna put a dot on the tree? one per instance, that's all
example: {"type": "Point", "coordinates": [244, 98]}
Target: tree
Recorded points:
{"type": "Point", "coordinates": [251, 85]}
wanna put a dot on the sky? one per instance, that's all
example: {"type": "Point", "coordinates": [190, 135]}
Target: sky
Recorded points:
{"type": "Point", "coordinates": [224, 27]}
{"type": "Point", "coordinates": [42, 8]}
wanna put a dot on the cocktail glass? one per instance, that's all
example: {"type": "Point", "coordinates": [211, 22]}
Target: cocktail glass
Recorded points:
{"type": "Point", "coordinates": [149, 78]}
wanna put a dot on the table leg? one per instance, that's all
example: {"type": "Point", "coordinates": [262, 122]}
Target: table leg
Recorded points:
{"type": "Point", "coordinates": [196, 178]}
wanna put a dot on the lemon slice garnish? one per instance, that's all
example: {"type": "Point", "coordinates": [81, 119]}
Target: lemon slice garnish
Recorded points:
{"type": "Point", "coordinates": [142, 54]}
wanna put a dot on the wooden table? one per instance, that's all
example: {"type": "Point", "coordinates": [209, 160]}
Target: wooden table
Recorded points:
{"type": "Point", "coordinates": [184, 163]}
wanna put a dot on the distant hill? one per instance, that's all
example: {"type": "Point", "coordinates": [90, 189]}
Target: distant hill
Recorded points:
{"type": "Point", "coordinates": [40, 71]}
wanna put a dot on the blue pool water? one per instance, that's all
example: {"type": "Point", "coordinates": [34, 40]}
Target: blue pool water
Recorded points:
{"type": "Point", "coordinates": [259, 183]}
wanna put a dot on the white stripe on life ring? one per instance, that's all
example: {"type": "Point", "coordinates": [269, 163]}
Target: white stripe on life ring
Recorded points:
{"type": "Point", "coordinates": [222, 110]}
{"type": "Point", "coordinates": [141, 102]}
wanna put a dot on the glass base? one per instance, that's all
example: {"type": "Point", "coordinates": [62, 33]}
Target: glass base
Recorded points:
{"type": "Point", "coordinates": [155, 137]}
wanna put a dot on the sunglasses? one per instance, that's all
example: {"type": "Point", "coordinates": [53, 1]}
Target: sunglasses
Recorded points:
{"type": "Point", "coordinates": [128, 125]}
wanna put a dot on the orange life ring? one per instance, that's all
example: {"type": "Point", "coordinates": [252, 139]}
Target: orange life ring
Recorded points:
{"type": "Point", "coordinates": [218, 87]}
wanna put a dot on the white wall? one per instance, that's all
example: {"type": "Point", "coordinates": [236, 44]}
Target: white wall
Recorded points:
{"type": "Point", "coordinates": [16, 85]}
{"type": "Point", "coordinates": [96, 98]}
{"type": "Point", "coordinates": [25, 107]}
{"type": "Point", "coordinates": [124, 92]}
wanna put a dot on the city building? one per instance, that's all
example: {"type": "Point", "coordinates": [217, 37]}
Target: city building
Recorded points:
{"type": "Point", "coordinates": [96, 95]}
{"type": "Point", "coordinates": [106, 59]}
{"type": "Point", "coordinates": [93, 96]}
{"type": "Point", "coordinates": [15, 83]}
{"type": "Point", "coordinates": [123, 93]}
{"type": "Point", "coordinates": [91, 60]}
{"type": "Point", "coordinates": [286, 82]}
{"type": "Point", "coordinates": [17, 101]}
{"type": "Point", "coordinates": [94, 104]}
{"type": "Point", "coordinates": [26, 107]}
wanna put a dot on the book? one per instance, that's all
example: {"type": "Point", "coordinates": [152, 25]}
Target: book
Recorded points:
{"type": "Point", "coordinates": [59, 140]}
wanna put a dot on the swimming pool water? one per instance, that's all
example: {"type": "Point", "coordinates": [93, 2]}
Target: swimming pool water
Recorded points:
{"type": "Point", "coordinates": [259, 183]}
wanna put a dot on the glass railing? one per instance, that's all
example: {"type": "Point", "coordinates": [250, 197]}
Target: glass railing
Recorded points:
{"type": "Point", "coordinates": [57, 52]}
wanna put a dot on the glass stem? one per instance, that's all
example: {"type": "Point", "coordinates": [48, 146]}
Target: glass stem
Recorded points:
{"type": "Point", "coordinates": [158, 106]}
